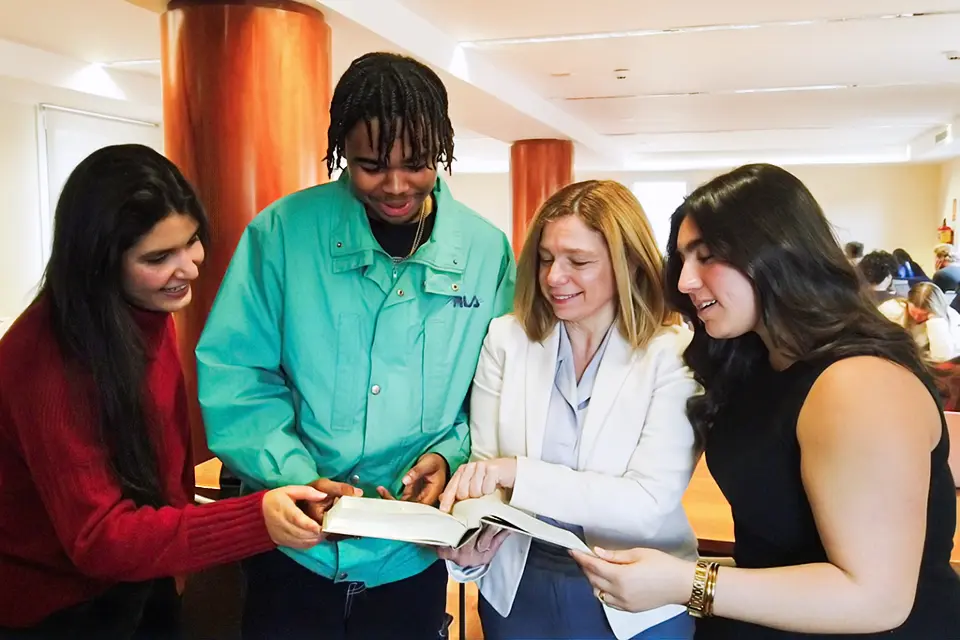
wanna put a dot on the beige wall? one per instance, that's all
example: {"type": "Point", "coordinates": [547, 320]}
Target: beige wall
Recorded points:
{"type": "Point", "coordinates": [21, 262]}
{"type": "Point", "coordinates": [486, 193]}
{"type": "Point", "coordinates": [882, 206]}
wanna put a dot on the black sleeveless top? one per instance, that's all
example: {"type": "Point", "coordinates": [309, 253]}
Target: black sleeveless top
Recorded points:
{"type": "Point", "coordinates": [753, 453]}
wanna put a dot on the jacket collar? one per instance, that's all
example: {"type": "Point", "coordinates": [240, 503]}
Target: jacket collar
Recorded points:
{"type": "Point", "coordinates": [352, 244]}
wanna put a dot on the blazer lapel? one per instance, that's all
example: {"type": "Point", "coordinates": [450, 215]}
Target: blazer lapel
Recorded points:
{"type": "Point", "coordinates": [541, 370]}
{"type": "Point", "coordinates": [617, 361]}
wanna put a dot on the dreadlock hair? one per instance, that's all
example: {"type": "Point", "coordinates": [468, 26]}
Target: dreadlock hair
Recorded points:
{"type": "Point", "coordinates": [404, 96]}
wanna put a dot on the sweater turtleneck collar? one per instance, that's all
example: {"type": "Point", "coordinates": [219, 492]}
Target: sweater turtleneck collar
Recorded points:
{"type": "Point", "coordinates": [152, 324]}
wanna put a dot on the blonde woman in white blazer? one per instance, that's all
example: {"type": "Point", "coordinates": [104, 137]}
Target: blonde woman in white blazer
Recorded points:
{"type": "Point", "coordinates": [578, 413]}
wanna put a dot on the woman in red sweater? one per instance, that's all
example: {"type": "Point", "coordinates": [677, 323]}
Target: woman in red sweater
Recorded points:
{"type": "Point", "coordinates": [96, 478]}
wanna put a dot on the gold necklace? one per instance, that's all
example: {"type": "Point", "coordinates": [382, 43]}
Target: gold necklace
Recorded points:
{"type": "Point", "coordinates": [425, 210]}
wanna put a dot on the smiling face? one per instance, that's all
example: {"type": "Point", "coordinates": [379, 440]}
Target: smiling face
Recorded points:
{"type": "Point", "coordinates": [158, 269]}
{"type": "Point", "coordinates": [394, 193]}
{"type": "Point", "coordinates": [723, 296]}
{"type": "Point", "coordinates": [576, 275]}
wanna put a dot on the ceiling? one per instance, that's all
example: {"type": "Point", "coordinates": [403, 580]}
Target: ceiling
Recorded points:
{"type": "Point", "coordinates": [91, 30]}
{"type": "Point", "coordinates": [729, 82]}
{"type": "Point", "coordinates": [825, 79]}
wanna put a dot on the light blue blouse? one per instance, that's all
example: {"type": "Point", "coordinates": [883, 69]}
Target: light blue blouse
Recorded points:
{"type": "Point", "coordinates": [567, 411]}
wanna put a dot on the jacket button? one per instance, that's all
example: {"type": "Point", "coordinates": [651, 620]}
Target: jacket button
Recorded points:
{"type": "Point", "coordinates": [354, 479]}
{"type": "Point", "coordinates": [375, 389]}
{"type": "Point", "coordinates": [399, 292]}
{"type": "Point", "coordinates": [339, 244]}
{"type": "Point", "coordinates": [455, 286]}
{"type": "Point", "coordinates": [342, 576]}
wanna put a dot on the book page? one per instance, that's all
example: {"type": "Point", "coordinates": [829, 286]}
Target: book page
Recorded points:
{"type": "Point", "coordinates": [393, 520]}
{"type": "Point", "coordinates": [472, 511]}
{"type": "Point", "coordinates": [507, 517]}
{"type": "Point", "coordinates": [492, 510]}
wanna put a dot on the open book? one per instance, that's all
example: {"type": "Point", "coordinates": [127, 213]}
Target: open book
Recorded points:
{"type": "Point", "coordinates": [423, 524]}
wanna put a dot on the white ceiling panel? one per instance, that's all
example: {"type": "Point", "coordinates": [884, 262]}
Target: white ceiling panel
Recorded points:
{"type": "Point", "coordinates": [899, 106]}
{"type": "Point", "coordinates": [487, 19]}
{"type": "Point", "coordinates": [809, 139]}
{"type": "Point", "coordinates": [877, 53]}
{"type": "Point", "coordinates": [91, 30]}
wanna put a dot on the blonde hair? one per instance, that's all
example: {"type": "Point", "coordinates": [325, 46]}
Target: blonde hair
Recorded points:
{"type": "Point", "coordinates": [929, 297]}
{"type": "Point", "coordinates": [946, 252]}
{"type": "Point", "coordinates": [612, 210]}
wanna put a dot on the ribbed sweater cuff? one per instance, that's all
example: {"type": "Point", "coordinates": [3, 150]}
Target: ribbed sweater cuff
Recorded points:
{"type": "Point", "coordinates": [227, 531]}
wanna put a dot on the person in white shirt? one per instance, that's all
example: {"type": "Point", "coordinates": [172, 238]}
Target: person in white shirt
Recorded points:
{"type": "Point", "coordinates": [578, 414]}
{"type": "Point", "coordinates": [934, 325]}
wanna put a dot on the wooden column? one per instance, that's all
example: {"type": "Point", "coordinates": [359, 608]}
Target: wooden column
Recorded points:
{"type": "Point", "coordinates": [246, 99]}
{"type": "Point", "coordinates": [538, 168]}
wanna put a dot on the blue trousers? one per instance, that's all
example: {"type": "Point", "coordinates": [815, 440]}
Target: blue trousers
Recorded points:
{"type": "Point", "coordinates": [560, 605]}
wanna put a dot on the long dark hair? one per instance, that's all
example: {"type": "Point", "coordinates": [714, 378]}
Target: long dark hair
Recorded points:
{"type": "Point", "coordinates": [400, 93]}
{"type": "Point", "coordinates": [765, 223]}
{"type": "Point", "coordinates": [112, 199]}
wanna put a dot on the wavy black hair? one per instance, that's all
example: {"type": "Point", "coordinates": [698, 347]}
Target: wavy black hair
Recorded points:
{"type": "Point", "coordinates": [764, 222]}
{"type": "Point", "coordinates": [112, 199]}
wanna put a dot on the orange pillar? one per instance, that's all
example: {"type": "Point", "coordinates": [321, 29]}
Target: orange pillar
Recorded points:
{"type": "Point", "coordinates": [246, 99]}
{"type": "Point", "coordinates": [538, 168]}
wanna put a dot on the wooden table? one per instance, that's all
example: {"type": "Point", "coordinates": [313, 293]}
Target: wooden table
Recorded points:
{"type": "Point", "coordinates": [712, 523]}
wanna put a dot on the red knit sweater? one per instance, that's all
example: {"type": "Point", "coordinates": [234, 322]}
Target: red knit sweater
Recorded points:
{"type": "Point", "coordinates": [66, 534]}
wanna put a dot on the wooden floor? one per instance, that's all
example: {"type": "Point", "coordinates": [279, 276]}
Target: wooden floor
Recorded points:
{"type": "Point", "coordinates": [453, 607]}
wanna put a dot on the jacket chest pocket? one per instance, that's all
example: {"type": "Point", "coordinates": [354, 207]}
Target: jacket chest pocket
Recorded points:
{"type": "Point", "coordinates": [437, 371]}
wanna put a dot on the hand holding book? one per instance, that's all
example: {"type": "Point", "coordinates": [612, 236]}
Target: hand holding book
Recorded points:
{"type": "Point", "coordinates": [477, 552]}
{"type": "Point", "coordinates": [478, 479]}
{"type": "Point", "coordinates": [425, 481]}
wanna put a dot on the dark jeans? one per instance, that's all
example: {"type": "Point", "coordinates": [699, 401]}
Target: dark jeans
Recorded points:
{"type": "Point", "coordinates": [287, 601]}
{"type": "Point", "coordinates": [127, 611]}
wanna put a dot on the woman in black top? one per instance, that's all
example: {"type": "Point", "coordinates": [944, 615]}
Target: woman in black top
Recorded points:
{"type": "Point", "coordinates": [822, 428]}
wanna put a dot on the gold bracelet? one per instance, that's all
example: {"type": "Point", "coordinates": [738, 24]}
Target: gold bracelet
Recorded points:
{"type": "Point", "coordinates": [711, 588]}
{"type": "Point", "coordinates": [697, 606]}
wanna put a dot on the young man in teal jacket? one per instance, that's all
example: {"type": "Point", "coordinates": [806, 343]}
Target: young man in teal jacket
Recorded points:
{"type": "Point", "coordinates": [341, 348]}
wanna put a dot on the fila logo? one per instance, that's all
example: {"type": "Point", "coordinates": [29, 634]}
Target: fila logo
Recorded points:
{"type": "Point", "coordinates": [464, 302]}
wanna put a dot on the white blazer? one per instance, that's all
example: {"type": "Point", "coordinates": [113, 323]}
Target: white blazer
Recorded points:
{"type": "Point", "coordinates": [636, 453]}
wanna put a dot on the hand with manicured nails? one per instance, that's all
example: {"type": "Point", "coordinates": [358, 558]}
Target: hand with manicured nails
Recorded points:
{"type": "Point", "coordinates": [478, 552]}
{"type": "Point", "coordinates": [287, 524]}
{"type": "Point", "coordinates": [424, 482]}
{"type": "Point", "coordinates": [478, 479]}
{"type": "Point", "coordinates": [637, 579]}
